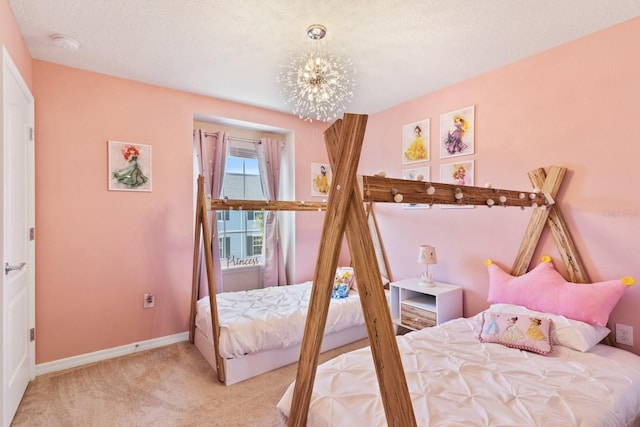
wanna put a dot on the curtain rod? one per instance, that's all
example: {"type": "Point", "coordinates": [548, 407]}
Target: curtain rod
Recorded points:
{"type": "Point", "coordinates": [233, 137]}
{"type": "Point", "coordinates": [243, 139]}
{"type": "Point", "coordinates": [238, 139]}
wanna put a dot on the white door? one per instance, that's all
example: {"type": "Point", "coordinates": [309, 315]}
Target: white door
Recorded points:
{"type": "Point", "coordinates": [17, 318]}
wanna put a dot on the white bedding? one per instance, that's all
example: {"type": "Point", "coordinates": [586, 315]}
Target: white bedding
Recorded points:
{"type": "Point", "coordinates": [270, 318]}
{"type": "Point", "coordinates": [454, 380]}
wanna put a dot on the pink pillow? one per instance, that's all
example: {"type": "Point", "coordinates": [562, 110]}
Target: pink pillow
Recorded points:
{"type": "Point", "coordinates": [517, 331]}
{"type": "Point", "coordinates": [544, 289]}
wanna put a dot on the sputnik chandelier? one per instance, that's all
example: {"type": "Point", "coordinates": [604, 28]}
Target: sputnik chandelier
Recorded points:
{"type": "Point", "coordinates": [316, 84]}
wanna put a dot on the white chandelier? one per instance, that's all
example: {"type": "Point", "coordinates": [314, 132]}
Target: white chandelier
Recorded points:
{"type": "Point", "coordinates": [316, 84]}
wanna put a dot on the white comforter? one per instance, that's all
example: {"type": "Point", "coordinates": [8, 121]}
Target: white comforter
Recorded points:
{"type": "Point", "coordinates": [454, 380]}
{"type": "Point", "coordinates": [270, 318]}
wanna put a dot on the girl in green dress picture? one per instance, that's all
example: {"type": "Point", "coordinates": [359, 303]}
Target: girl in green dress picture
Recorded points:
{"type": "Point", "coordinates": [132, 175]}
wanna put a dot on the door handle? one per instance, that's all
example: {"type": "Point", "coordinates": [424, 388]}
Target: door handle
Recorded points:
{"type": "Point", "coordinates": [8, 267]}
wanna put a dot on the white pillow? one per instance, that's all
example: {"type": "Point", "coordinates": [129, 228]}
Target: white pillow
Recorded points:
{"type": "Point", "coordinates": [353, 282]}
{"type": "Point", "coordinates": [566, 332]}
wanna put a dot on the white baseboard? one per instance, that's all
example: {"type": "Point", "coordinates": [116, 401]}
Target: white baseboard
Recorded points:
{"type": "Point", "coordinates": [84, 359]}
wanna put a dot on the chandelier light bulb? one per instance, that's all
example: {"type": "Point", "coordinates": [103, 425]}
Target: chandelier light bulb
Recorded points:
{"type": "Point", "coordinates": [316, 84]}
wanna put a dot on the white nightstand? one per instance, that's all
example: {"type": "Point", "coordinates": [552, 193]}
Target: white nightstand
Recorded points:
{"type": "Point", "coordinates": [415, 306]}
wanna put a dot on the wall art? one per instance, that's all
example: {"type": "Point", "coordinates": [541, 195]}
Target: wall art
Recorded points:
{"type": "Point", "coordinates": [458, 173]}
{"type": "Point", "coordinates": [416, 174]}
{"type": "Point", "coordinates": [129, 166]}
{"type": "Point", "coordinates": [457, 130]}
{"type": "Point", "coordinates": [320, 179]}
{"type": "Point", "coordinates": [415, 142]}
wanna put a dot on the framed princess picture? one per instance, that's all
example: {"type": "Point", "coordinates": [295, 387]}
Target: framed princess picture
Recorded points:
{"type": "Point", "coordinates": [458, 173]}
{"type": "Point", "coordinates": [416, 174]}
{"type": "Point", "coordinates": [129, 166]}
{"type": "Point", "coordinates": [320, 179]}
{"type": "Point", "coordinates": [415, 142]}
{"type": "Point", "coordinates": [457, 133]}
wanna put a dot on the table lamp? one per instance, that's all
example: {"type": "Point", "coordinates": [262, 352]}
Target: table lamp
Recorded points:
{"type": "Point", "coordinates": [427, 256]}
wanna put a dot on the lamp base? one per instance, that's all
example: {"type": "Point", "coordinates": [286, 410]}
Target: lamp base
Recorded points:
{"type": "Point", "coordinates": [426, 279]}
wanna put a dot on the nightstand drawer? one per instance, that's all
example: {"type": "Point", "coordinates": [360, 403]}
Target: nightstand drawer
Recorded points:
{"type": "Point", "coordinates": [417, 318]}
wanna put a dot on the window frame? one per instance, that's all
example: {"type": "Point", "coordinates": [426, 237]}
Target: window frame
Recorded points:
{"type": "Point", "coordinates": [245, 219]}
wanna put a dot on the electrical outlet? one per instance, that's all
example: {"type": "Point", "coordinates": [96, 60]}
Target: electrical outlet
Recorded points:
{"type": "Point", "coordinates": [149, 300]}
{"type": "Point", "coordinates": [624, 334]}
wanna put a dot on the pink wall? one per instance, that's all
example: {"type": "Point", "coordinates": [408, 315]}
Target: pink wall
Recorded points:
{"type": "Point", "coordinates": [574, 106]}
{"type": "Point", "coordinates": [98, 251]}
{"type": "Point", "coordinates": [12, 40]}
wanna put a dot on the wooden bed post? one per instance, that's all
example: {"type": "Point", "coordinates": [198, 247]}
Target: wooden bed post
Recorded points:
{"type": "Point", "coordinates": [345, 211]}
{"type": "Point", "coordinates": [196, 261]}
{"type": "Point", "coordinates": [551, 215]}
{"type": "Point", "coordinates": [202, 226]}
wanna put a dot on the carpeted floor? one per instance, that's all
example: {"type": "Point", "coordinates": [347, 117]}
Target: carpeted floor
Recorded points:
{"type": "Point", "coordinates": [168, 386]}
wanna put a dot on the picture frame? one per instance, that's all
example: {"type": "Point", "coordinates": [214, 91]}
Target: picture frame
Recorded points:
{"type": "Point", "coordinates": [129, 166]}
{"type": "Point", "coordinates": [413, 175]}
{"type": "Point", "coordinates": [416, 142]}
{"type": "Point", "coordinates": [458, 173]}
{"type": "Point", "coordinates": [320, 179]}
{"type": "Point", "coordinates": [457, 129]}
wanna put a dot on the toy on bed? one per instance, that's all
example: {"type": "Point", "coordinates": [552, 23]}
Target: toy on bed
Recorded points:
{"type": "Point", "coordinates": [342, 283]}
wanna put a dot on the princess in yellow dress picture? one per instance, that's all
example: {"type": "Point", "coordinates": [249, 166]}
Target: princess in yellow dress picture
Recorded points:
{"type": "Point", "coordinates": [320, 179]}
{"type": "Point", "coordinates": [534, 332]}
{"type": "Point", "coordinates": [415, 142]}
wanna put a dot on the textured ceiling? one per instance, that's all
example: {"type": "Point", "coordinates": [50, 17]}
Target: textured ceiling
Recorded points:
{"type": "Point", "coordinates": [234, 49]}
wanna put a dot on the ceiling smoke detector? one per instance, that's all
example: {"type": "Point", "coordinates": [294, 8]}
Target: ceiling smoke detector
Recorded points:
{"type": "Point", "coordinates": [65, 42]}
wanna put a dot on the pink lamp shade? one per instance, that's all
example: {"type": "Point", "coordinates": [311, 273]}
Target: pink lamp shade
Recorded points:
{"type": "Point", "coordinates": [427, 255]}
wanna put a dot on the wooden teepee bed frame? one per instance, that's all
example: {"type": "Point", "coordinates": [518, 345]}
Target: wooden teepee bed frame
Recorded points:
{"type": "Point", "coordinates": [345, 214]}
{"type": "Point", "coordinates": [233, 370]}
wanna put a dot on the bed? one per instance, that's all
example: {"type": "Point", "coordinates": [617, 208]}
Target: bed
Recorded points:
{"type": "Point", "coordinates": [456, 380]}
{"type": "Point", "coordinates": [534, 358]}
{"type": "Point", "coordinates": [262, 329]}
{"type": "Point", "coordinates": [252, 332]}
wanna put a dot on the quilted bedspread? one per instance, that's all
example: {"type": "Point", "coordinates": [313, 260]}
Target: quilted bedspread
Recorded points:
{"type": "Point", "coordinates": [454, 380]}
{"type": "Point", "coordinates": [270, 318]}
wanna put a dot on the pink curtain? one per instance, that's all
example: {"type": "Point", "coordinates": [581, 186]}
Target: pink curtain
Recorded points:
{"type": "Point", "coordinates": [269, 153]}
{"type": "Point", "coordinates": [211, 152]}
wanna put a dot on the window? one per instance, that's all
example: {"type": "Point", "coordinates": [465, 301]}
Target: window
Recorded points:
{"type": "Point", "coordinates": [224, 243]}
{"type": "Point", "coordinates": [254, 245]}
{"type": "Point", "coordinates": [241, 232]}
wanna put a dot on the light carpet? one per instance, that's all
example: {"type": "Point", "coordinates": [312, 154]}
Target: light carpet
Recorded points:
{"type": "Point", "coordinates": [167, 386]}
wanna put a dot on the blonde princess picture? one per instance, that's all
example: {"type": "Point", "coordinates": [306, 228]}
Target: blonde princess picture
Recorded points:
{"type": "Point", "coordinates": [458, 173]}
{"type": "Point", "coordinates": [456, 133]}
